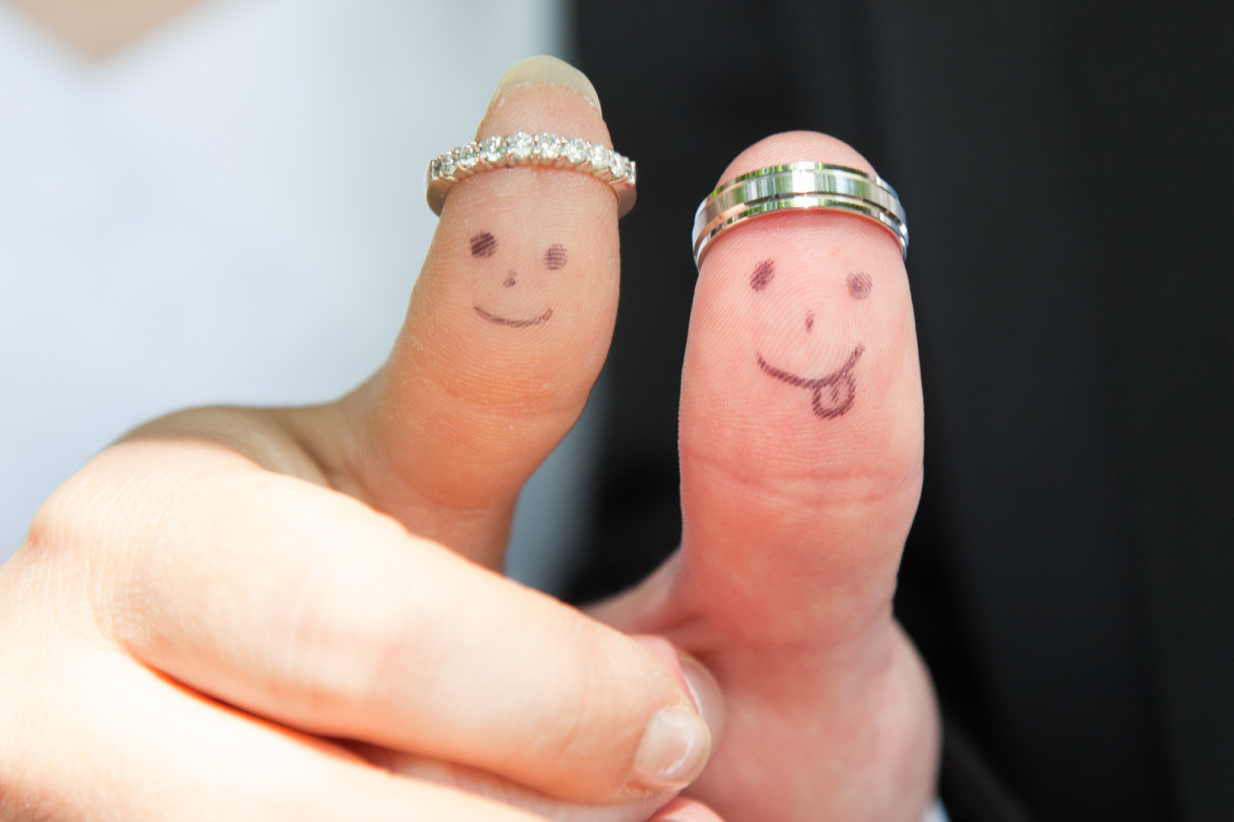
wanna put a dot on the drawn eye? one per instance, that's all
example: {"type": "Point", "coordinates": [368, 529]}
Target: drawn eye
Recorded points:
{"type": "Point", "coordinates": [763, 272]}
{"type": "Point", "coordinates": [860, 284]}
{"type": "Point", "coordinates": [555, 257]}
{"type": "Point", "coordinates": [483, 245]}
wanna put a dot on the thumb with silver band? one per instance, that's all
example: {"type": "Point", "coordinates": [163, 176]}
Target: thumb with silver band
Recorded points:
{"type": "Point", "coordinates": [800, 185]}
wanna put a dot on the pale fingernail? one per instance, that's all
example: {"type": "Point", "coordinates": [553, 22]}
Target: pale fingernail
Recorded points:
{"type": "Point", "coordinates": [706, 693]}
{"type": "Point", "coordinates": [546, 69]}
{"type": "Point", "coordinates": [673, 752]}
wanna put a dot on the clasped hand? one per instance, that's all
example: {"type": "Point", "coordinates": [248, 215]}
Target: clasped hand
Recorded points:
{"type": "Point", "coordinates": [295, 614]}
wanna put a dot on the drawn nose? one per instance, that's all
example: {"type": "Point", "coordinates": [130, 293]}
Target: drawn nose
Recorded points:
{"type": "Point", "coordinates": [809, 321]}
{"type": "Point", "coordinates": [510, 281]}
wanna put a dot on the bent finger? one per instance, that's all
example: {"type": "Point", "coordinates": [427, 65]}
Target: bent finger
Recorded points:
{"type": "Point", "coordinates": [652, 808]}
{"type": "Point", "coordinates": [473, 781]}
{"type": "Point", "coordinates": [691, 675]}
{"type": "Point", "coordinates": [684, 809]}
{"type": "Point", "coordinates": [302, 605]}
{"type": "Point", "coordinates": [105, 738]}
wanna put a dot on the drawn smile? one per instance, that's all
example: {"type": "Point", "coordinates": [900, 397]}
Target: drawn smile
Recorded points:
{"type": "Point", "coordinates": [838, 386]}
{"type": "Point", "coordinates": [509, 323]}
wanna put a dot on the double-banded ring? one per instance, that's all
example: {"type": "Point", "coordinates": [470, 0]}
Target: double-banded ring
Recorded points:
{"type": "Point", "coordinates": [809, 186]}
{"type": "Point", "coordinates": [523, 149]}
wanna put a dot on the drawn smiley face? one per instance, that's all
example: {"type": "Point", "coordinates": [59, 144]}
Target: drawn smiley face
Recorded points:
{"type": "Point", "coordinates": [484, 248]}
{"type": "Point", "coordinates": [833, 394]}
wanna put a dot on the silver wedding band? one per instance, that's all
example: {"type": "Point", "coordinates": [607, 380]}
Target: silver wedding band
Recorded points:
{"type": "Point", "coordinates": [808, 186]}
{"type": "Point", "coordinates": [524, 149]}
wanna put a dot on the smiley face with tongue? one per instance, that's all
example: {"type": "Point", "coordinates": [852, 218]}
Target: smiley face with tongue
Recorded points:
{"type": "Point", "coordinates": [832, 394]}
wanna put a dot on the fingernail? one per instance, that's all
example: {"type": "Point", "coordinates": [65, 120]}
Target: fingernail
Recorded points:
{"type": "Point", "coordinates": [544, 69]}
{"type": "Point", "coordinates": [706, 693]}
{"type": "Point", "coordinates": [673, 752]}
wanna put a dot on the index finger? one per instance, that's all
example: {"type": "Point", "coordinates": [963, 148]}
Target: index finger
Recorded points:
{"type": "Point", "coordinates": [302, 605]}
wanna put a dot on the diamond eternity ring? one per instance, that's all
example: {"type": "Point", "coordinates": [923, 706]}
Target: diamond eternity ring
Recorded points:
{"type": "Point", "coordinates": [809, 186]}
{"type": "Point", "coordinates": [523, 149]}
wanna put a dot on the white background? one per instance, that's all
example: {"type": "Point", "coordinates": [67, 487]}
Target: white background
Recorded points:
{"type": "Point", "coordinates": [232, 211]}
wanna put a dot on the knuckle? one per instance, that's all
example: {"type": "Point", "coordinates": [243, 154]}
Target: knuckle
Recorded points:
{"type": "Point", "coordinates": [349, 635]}
{"type": "Point", "coordinates": [589, 718]}
{"type": "Point", "coordinates": [64, 519]}
{"type": "Point", "coordinates": [102, 506]}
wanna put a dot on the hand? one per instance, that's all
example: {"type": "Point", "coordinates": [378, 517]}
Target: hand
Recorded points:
{"type": "Point", "coordinates": [294, 604]}
{"type": "Point", "coordinates": [202, 614]}
{"type": "Point", "coordinates": [797, 500]}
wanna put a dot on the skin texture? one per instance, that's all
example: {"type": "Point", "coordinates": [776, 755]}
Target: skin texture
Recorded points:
{"type": "Point", "coordinates": [210, 606]}
{"type": "Point", "coordinates": [794, 524]}
{"type": "Point", "coordinates": [832, 395]}
{"type": "Point", "coordinates": [484, 250]}
{"type": "Point", "coordinates": [294, 613]}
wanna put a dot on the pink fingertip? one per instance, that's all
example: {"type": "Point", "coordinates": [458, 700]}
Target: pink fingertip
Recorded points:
{"type": "Point", "coordinates": [685, 810]}
{"type": "Point", "coordinates": [664, 651]}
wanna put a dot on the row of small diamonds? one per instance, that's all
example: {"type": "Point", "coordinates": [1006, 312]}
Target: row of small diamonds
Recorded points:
{"type": "Point", "coordinates": [538, 149]}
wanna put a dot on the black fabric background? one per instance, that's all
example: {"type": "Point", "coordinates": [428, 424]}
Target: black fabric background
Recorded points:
{"type": "Point", "coordinates": [1065, 169]}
